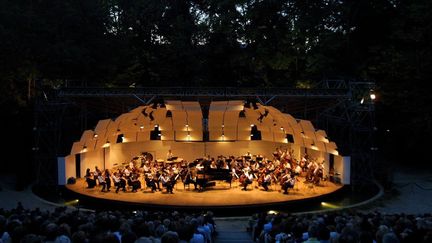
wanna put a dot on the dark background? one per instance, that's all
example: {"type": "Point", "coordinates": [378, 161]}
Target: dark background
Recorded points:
{"type": "Point", "coordinates": [249, 43]}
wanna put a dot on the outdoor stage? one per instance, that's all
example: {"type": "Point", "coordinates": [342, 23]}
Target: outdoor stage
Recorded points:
{"type": "Point", "coordinates": [220, 195]}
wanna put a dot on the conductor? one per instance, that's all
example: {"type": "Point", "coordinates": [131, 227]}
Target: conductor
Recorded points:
{"type": "Point", "coordinates": [170, 155]}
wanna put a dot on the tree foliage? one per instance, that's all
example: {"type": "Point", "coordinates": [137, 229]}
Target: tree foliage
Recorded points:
{"type": "Point", "coordinates": [258, 43]}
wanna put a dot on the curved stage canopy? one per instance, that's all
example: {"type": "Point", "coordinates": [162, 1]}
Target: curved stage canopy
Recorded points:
{"type": "Point", "coordinates": [230, 128]}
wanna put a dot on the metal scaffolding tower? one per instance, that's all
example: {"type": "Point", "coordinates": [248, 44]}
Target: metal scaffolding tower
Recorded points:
{"type": "Point", "coordinates": [344, 108]}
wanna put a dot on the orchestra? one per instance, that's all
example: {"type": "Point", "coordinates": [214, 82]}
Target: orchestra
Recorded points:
{"type": "Point", "coordinates": [282, 170]}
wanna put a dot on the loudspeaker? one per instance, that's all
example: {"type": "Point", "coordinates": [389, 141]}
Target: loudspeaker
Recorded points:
{"type": "Point", "coordinates": [71, 180]}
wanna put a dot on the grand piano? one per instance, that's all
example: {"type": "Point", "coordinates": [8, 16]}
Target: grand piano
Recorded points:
{"type": "Point", "coordinates": [208, 176]}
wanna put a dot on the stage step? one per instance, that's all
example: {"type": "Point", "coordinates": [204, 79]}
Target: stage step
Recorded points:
{"type": "Point", "coordinates": [232, 230]}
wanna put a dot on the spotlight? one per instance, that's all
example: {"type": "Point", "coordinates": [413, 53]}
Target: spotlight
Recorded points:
{"type": "Point", "coordinates": [141, 127]}
{"type": "Point", "coordinates": [95, 136]}
{"type": "Point", "coordinates": [272, 212]}
{"type": "Point", "coordinates": [362, 101]}
{"type": "Point", "coordinates": [156, 125]}
{"type": "Point", "coordinates": [106, 145]}
{"type": "Point", "coordinates": [372, 96]}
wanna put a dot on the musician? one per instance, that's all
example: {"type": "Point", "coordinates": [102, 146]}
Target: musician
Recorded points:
{"type": "Point", "coordinates": [298, 169]}
{"type": "Point", "coordinates": [168, 182]}
{"type": "Point", "coordinates": [213, 165]}
{"type": "Point", "coordinates": [107, 175]}
{"type": "Point", "coordinates": [91, 182]}
{"type": "Point", "coordinates": [318, 173]}
{"type": "Point", "coordinates": [150, 182]}
{"type": "Point", "coordinates": [246, 179]}
{"type": "Point", "coordinates": [134, 182]}
{"type": "Point", "coordinates": [200, 166]}
{"type": "Point", "coordinates": [101, 180]}
{"type": "Point", "coordinates": [132, 164]}
{"type": "Point", "coordinates": [96, 173]}
{"type": "Point", "coordinates": [224, 166]}
{"type": "Point", "coordinates": [267, 180]}
{"type": "Point", "coordinates": [170, 155]}
{"type": "Point", "coordinates": [119, 182]}
{"type": "Point", "coordinates": [146, 168]}
{"type": "Point", "coordinates": [127, 172]}
{"type": "Point", "coordinates": [191, 177]}
{"type": "Point", "coordinates": [288, 181]}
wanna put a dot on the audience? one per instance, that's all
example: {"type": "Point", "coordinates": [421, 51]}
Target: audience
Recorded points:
{"type": "Point", "coordinates": [65, 226]}
{"type": "Point", "coordinates": [342, 227]}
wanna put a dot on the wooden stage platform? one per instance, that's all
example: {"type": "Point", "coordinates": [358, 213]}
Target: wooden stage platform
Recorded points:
{"type": "Point", "coordinates": [220, 195]}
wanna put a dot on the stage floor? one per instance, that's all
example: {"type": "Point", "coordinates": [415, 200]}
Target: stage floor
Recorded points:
{"type": "Point", "coordinates": [220, 195]}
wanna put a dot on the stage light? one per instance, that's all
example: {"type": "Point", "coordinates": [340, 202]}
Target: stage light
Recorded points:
{"type": "Point", "coordinates": [252, 125]}
{"type": "Point", "coordinates": [72, 202]}
{"type": "Point", "coordinates": [156, 125]}
{"type": "Point", "coordinates": [329, 205]}
{"type": "Point", "coordinates": [362, 101]}
{"type": "Point", "coordinates": [272, 212]}
{"type": "Point", "coordinates": [251, 135]}
{"type": "Point", "coordinates": [95, 136]}
{"type": "Point", "coordinates": [141, 127]}
{"type": "Point", "coordinates": [223, 125]}
{"type": "Point", "coordinates": [107, 144]}
{"type": "Point", "coordinates": [281, 128]}
{"type": "Point", "coordinates": [186, 125]}
{"type": "Point", "coordinates": [372, 96]}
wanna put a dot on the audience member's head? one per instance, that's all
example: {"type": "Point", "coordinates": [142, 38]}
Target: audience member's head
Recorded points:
{"type": "Point", "coordinates": [170, 237]}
